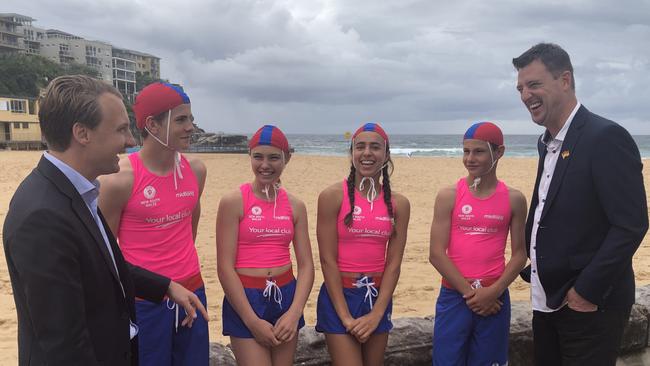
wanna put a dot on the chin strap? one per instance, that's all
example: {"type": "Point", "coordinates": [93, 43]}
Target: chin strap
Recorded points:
{"type": "Point", "coordinates": [477, 180]}
{"type": "Point", "coordinates": [177, 155]}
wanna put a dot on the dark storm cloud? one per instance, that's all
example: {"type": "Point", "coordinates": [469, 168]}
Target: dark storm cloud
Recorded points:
{"type": "Point", "coordinates": [327, 66]}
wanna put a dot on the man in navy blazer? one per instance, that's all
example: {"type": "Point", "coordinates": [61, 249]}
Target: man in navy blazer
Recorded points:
{"type": "Point", "coordinates": [74, 291]}
{"type": "Point", "coordinates": [587, 217]}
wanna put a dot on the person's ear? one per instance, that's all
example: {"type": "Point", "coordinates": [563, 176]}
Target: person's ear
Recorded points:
{"type": "Point", "coordinates": [80, 133]}
{"type": "Point", "coordinates": [152, 125]}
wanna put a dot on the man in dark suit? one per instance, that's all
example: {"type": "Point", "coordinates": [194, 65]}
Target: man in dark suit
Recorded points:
{"type": "Point", "coordinates": [587, 217]}
{"type": "Point", "coordinates": [74, 292]}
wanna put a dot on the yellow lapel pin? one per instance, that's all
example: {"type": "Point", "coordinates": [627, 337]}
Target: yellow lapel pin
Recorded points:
{"type": "Point", "coordinates": [565, 154]}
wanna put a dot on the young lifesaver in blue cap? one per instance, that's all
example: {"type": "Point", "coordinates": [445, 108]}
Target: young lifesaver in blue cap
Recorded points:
{"type": "Point", "coordinates": [468, 241]}
{"type": "Point", "coordinates": [153, 207]}
{"type": "Point", "coordinates": [361, 232]}
{"type": "Point", "coordinates": [256, 225]}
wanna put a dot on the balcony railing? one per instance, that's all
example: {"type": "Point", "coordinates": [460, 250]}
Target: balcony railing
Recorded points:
{"type": "Point", "coordinates": [7, 43]}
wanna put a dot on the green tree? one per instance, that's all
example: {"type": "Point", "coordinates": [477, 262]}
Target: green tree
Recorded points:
{"type": "Point", "coordinates": [142, 80]}
{"type": "Point", "coordinates": [24, 75]}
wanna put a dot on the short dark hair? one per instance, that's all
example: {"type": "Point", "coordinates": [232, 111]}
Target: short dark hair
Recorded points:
{"type": "Point", "coordinates": [555, 59]}
{"type": "Point", "coordinates": [67, 100]}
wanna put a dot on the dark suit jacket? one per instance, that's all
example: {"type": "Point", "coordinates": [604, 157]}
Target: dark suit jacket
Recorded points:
{"type": "Point", "coordinates": [71, 309]}
{"type": "Point", "coordinates": [595, 215]}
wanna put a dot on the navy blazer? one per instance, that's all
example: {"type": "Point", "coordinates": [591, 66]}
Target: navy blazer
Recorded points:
{"type": "Point", "coordinates": [595, 215]}
{"type": "Point", "coordinates": [70, 305]}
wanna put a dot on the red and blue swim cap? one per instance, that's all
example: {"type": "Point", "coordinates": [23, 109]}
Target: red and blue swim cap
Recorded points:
{"type": "Point", "coordinates": [485, 131]}
{"type": "Point", "coordinates": [371, 127]}
{"type": "Point", "coordinates": [269, 135]}
{"type": "Point", "coordinates": [157, 98]}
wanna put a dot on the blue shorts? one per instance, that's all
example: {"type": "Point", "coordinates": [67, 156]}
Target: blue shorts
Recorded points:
{"type": "Point", "coordinates": [265, 307]}
{"type": "Point", "coordinates": [161, 344]}
{"type": "Point", "coordinates": [462, 337]}
{"type": "Point", "coordinates": [327, 321]}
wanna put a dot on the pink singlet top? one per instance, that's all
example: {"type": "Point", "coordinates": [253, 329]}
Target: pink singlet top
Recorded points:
{"type": "Point", "coordinates": [265, 230]}
{"type": "Point", "coordinates": [156, 226]}
{"type": "Point", "coordinates": [479, 229]}
{"type": "Point", "coordinates": [362, 246]}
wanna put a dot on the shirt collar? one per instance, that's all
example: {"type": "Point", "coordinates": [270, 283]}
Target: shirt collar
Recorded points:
{"type": "Point", "coordinates": [87, 189]}
{"type": "Point", "coordinates": [546, 136]}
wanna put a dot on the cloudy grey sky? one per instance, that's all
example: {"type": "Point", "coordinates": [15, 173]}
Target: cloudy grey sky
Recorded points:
{"type": "Point", "coordinates": [415, 66]}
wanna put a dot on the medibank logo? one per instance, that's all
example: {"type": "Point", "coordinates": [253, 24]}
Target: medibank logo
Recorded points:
{"type": "Point", "coordinates": [185, 194]}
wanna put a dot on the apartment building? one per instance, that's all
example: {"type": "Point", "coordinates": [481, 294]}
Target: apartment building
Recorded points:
{"type": "Point", "coordinates": [116, 65]}
{"type": "Point", "coordinates": [124, 69]}
{"type": "Point", "coordinates": [19, 127]}
{"type": "Point", "coordinates": [64, 48]}
{"type": "Point", "coordinates": [11, 39]}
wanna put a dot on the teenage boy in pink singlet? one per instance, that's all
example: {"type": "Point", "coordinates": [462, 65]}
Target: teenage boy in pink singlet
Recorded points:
{"type": "Point", "coordinates": [153, 207]}
{"type": "Point", "coordinates": [471, 221]}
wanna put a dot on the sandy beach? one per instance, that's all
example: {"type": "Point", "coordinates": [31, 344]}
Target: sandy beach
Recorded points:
{"type": "Point", "coordinates": [417, 178]}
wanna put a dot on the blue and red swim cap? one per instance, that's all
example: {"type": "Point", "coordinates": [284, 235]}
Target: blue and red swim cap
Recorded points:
{"type": "Point", "coordinates": [485, 131]}
{"type": "Point", "coordinates": [371, 127]}
{"type": "Point", "coordinates": [157, 98]}
{"type": "Point", "coordinates": [269, 135]}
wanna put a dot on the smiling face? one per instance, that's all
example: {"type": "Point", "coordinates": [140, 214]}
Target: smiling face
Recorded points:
{"type": "Point", "coordinates": [546, 97]}
{"type": "Point", "coordinates": [267, 163]}
{"type": "Point", "coordinates": [369, 153]}
{"type": "Point", "coordinates": [181, 127]}
{"type": "Point", "coordinates": [110, 137]}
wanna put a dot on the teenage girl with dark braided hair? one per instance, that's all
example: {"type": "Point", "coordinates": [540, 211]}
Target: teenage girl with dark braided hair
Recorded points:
{"type": "Point", "coordinates": [361, 233]}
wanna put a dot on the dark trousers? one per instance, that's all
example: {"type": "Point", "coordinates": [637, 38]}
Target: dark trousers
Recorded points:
{"type": "Point", "coordinates": [571, 338]}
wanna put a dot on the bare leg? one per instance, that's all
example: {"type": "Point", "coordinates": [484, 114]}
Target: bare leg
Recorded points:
{"type": "Point", "coordinates": [374, 349]}
{"type": "Point", "coordinates": [250, 353]}
{"type": "Point", "coordinates": [283, 355]}
{"type": "Point", "coordinates": [344, 350]}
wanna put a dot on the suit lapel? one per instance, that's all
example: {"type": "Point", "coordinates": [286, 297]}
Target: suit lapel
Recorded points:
{"type": "Point", "coordinates": [564, 159]}
{"type": "Point", "coordinates": [62, 182]}
{"type": "Point", "coordinates": [541, 149]}
{"type": "Point", "coordinates": [86, 217]}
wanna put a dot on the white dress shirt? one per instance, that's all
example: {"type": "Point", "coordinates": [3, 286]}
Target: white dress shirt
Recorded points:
{"type": "Point", "coordinates": [553, 150]}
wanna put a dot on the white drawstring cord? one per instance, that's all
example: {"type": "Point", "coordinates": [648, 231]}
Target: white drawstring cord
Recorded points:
{"type": "Point", "coordinates": [371, 290]}
{"type": "Point", "coordinates": [276, 188]}
{"type": "Point", "coordinates": [277, 294]}
{"type": "Point", "coordinates": [372, 191]}
{"type": "Point", "coordinates": [177, 169]}
{"type": "Point", "coordinates": [174, 307]}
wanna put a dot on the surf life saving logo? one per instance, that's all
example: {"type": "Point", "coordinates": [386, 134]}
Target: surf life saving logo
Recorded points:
{"type": "Point", "coordinates": [467, 209]}
{"type": "Point", "coordinates": [356, 213]}
{"type": "Point", "coordinates": [470, 228]}
{"type": "Point", "coordinates": [466, 213]}
{"type": "Point", "coordinates": [262, 232]}
{"type": "Point", "coordinates": [256, 214]}
{"type": "Point", "coordinates": [149, 193]}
